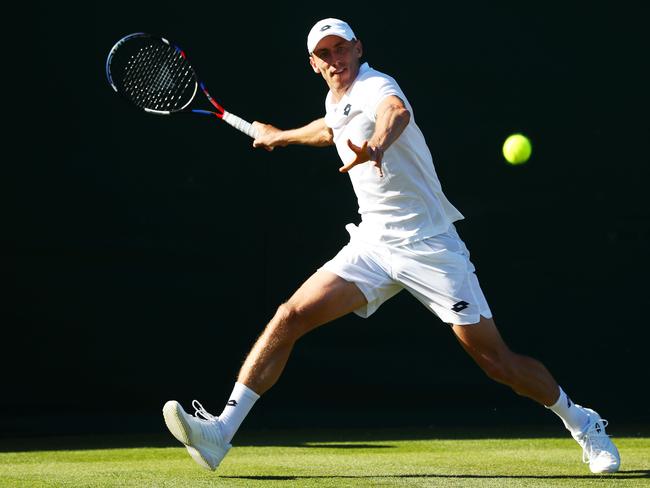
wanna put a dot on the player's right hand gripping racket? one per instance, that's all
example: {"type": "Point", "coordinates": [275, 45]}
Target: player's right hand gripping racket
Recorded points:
{"type": "Point", "coordinates": [156, 76]}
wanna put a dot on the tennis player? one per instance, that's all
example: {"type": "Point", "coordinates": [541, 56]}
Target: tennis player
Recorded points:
{"type": "Point", "coordinates": [406, 240]}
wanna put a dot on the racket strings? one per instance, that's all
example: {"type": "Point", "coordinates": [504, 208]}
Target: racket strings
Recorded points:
{"type": "Point", "coordinates": [157, 77]}
{"type": "Point", "coordinates": [179, 78]}
{"type": "Point", "coordinates": [137, 75]}
{"type": "Point", "coordinates": [158, 68]}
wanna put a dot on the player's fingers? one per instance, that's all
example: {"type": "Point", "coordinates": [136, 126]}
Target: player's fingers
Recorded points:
{"type": "Point", "coordinates": [352, 164]}
{"type": "Point", "coordinates": [259, 131]}
{"type": "Point", "coordinates": [348, 167]}
{"type": "Point", "coordinates": [375, 154]}
{"type": "Point", "coordinates": [380, 171]}
{"type": "Point", "coordinates": [353, 146]}
{"type": "Point", "coordinates": [358, 149]}
{"type": "Point", "coordinates": [257, 144]}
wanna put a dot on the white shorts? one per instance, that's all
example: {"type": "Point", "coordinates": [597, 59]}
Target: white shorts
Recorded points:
{"type": "Point", "coordinates": [437, 271]}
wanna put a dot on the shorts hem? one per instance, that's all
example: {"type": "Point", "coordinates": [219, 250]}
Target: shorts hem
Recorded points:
{"type": "Point", "coordinates": [368, 309]}
{"type": "Point", "coordinates": [475, 319]}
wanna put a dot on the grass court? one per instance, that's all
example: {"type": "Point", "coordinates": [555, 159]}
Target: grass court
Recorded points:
{"type": "Point", "coordinates": [321, 459]}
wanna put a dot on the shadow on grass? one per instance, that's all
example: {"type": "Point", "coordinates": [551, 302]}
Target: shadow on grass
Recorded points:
{"type": "Point", "coordinates": [632, 474]}
{"type": "Point", "coordinates": [79, 443]}
{"type": "Point", "coordinates": [342, 446]}
{"type": "Point", "coordinates": [300, 438]}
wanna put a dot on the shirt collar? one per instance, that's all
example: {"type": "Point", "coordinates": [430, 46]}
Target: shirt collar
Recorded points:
{"type": "Point", "coordinates": [362, 70]}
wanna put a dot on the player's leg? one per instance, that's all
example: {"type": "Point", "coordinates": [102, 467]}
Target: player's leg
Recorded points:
{"type": "Point", "coordinates": [321, 299]}
{"type": "Point", "coordinates": [526, 376]}
{"type": "Point", "coordinates": [439, 273]}
{"type": "Point", "coordinates": [529, 377]}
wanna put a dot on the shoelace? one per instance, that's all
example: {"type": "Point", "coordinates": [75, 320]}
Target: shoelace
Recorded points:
{"type": "Point", "coordinates": [595, 441]}
{"type": "Point", "coordinates": [202, 413]}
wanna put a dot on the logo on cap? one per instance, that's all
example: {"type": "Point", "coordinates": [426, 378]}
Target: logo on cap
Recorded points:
{"type": "Point", "coordinates": [325, 27]}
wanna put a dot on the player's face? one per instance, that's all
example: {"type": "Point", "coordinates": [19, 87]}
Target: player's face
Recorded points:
{"type": "Point", "coordinates": [337, 60]}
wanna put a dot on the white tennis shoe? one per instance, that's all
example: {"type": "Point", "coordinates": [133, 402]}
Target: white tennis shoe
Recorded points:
{"type": "Point", "coordinates": [597, 448]}
{"type": "Point", "coordinates": [201, 433]}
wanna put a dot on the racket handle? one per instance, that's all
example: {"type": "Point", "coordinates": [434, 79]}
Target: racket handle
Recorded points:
{"type": "Point", "coordinates": [239, 123]}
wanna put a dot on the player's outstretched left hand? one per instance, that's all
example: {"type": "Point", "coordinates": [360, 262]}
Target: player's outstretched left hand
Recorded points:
{"type": "Point", "coordinates": [363, 154]}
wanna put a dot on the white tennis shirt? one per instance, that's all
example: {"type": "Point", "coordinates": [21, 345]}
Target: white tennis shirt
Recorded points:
{"type": "Point", "coordinates": [407, 204]}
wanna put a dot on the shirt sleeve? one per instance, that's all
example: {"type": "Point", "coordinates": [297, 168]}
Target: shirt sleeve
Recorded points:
{"type": "Point", "coordinates": [380, 87]}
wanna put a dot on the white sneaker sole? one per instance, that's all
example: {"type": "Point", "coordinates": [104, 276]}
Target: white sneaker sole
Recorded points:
{"type": "Point", "coordinates": [175, 421]}
{"type": "Point", "coordinates": [608, 469]}
{"type": "Point", "coordinates": [173, 414]}
{"type": "Point", "coordinates": [198, 457]}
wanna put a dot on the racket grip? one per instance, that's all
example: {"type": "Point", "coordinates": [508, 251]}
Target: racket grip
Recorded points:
{"type": "Point", "coordinates": [239, 123]}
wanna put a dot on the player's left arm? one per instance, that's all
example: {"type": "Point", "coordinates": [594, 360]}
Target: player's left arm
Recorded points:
{"type": "Point", "coordinates": [391, 119]}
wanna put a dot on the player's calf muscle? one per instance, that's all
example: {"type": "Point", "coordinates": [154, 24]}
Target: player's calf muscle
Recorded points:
{"type": "Point", "coordinates": [525, 375]}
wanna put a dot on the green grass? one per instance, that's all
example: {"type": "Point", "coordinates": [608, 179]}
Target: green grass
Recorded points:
{"type": "Point", "coordinates": [304, 459]}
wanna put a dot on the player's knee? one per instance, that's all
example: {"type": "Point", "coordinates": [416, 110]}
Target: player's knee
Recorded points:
{"type": "Point", "coordinates": [286, 323]}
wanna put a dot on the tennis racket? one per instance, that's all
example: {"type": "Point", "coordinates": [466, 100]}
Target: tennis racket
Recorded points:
{"type": "Point", "coordinates": [156, 76]}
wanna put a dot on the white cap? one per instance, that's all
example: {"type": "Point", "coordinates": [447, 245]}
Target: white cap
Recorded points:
{"type": "Point", "coordinates": [328, 27]}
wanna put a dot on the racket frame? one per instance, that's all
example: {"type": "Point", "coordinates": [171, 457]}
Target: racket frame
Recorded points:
{"type": "Point", "coordinates": [233, 120]}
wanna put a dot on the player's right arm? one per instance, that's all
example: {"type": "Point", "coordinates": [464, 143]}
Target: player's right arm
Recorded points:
{"type": "Point", "coordinates": [315, 133]}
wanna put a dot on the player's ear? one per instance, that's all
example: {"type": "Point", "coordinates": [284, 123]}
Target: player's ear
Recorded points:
{"type": "Point", "coordinates": [313, 64]}
{"type": "Point", "coordinates": [358, 48]}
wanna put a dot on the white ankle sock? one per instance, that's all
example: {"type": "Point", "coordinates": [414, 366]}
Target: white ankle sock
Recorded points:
{"type": "Point", "coordinates": [575, 419]}
{"type": "Point", "coordinates": [241, 401]}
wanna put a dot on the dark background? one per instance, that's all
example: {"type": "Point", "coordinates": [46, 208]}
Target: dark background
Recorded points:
{"type": "Point", "coordinates": [145, 254]}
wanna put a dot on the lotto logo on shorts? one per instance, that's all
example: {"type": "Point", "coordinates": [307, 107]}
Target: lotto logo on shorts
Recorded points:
{"type": "Point", "coordinates": [462, 305]}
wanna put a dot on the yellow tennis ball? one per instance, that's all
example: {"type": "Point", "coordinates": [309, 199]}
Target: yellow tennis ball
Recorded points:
{"type": "Point", "coordinates": [517, 149]}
